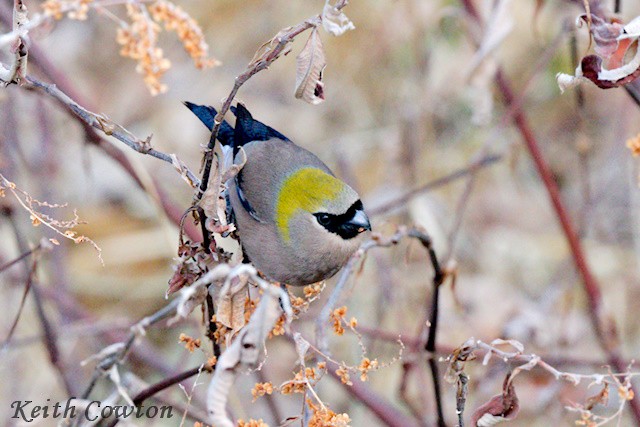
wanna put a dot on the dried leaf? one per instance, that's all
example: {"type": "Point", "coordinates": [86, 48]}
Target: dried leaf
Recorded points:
{"type": "Point", "coordinates": [235, 168]}
{"type": "Point", "coordinates": [334, 21]}
{"type": "Point", "coordinates": [607, 69]}
{"type": "Point", "coordinates": [230, 305]}
{"type": "Point", "coordinates": [601, 398]}
{"type": "Point", "coordinates": [487, 358]}
{"type": "Point", "coordinates": [593, 70]}
{"type": "Point", "coordinates": [263, 51]}
{"type": "Point", "coordinates": [567, 81]}
{"type": "Point", "coordinates": [230, 310]}
{"type": "Point", "coordinates": [310, 65]}
{"type": "Point", "coordinates": [114, 376]}
{"type": "Point", "coordinates": [190, 298]}
{"type": "Point", "coordinates": [605, 35]}
{"type": "Point", "coordinates": [458, 359]}
{"type": "Point", "coordinates": [527, 366]}
{"type": "Point", "coordinates": [302, 347]}
{"type": "Point", "coordinates": [108, 351]}
{"type": "Point", "coordinates": [501, 407]}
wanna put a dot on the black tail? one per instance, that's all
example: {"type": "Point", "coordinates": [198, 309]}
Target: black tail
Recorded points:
{"type": "Point", "coordinates": [247, 129]}
{"type": "Point", "coordinates": [207, 115]}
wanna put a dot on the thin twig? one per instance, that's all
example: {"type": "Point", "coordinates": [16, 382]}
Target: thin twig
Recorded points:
{"type": "Point", "coordinates": [164, 384]}
{"type": "Point", "coordinates": [399, 201]}
{"type": "Point", "coordinates": [430, 346]}
{"type": "Point", "coordinates": [27, 288]}
{"type": "Point", "coordinates": [40, 60]}
{"type": "Point", "coordinates": [115, 353]}
{"type": "Point", "coordinates": [20, 258]}
{"type": "Point", "coordinates": [49, 334]}
{"type": "Point", "coordinates": [276, 414]}
{"type": "Point", "coordinates": [323, 318]}
{"type": "Point", "coordinates": [348, 270]}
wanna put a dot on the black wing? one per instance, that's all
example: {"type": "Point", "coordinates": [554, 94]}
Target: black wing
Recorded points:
{"type": "Point", "coordinates": [247, 130]}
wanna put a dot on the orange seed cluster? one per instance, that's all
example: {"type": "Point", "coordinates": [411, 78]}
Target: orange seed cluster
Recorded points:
{"type": "Point", "coordinates": [343, 373]}
{"type": "Point", "coordinates": [323, 416]}
{"type": "Point", "coordinates": [189, 343]}
{"type": "Point", "coordinates": [278, 329]}
{"type": "Point", "coordinates": [337, 316]}
{"type": "Point", "coordinates": [634, 145]}
{"type": "Point", "coordinates": [75, 9]}
{"type": "Point", "coordinates": [138, 41]}
{"type": "Point", "coordinates": [367, 365]}
{"type": "Point", "coordinates": [187, 29]}
{"type": "Point", "coordinates": [260, 389]}
{"type": "Point", "coordinates": [252, 423]}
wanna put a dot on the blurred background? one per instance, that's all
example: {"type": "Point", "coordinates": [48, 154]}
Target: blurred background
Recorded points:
{"type": "Point", "coordinates": [409, 99]}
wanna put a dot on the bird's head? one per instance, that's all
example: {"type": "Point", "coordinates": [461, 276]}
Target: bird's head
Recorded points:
{"type": "Point", "coordinates": [312, 200]}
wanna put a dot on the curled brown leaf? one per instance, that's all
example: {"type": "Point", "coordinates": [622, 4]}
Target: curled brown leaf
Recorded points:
{"type": "Point", "coordinates": [501, 407]}
{"type": "Point", "coordinates": [310, 65]}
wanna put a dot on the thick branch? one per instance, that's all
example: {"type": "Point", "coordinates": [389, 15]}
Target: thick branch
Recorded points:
{"type": "Point", "coordinates": [110, 128]}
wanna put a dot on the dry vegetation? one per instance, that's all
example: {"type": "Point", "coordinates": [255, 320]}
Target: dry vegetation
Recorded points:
{"type": "Point", "coordinates": [446, 115]}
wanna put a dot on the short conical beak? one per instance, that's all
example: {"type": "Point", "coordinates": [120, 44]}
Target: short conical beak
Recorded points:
{"type": "Point", "coordinates": [361, 221]}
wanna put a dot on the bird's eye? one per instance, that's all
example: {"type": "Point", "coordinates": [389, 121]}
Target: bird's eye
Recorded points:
{"type": "Point", "coordinates": [324, 219]}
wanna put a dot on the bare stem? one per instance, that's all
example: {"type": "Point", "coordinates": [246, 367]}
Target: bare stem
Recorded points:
{"type": "Point", "coordinates": [399, 201]}
{"type": "Point", "coordinates": [386, 413]}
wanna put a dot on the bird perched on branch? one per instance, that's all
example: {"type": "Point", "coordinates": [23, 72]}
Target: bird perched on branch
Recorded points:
{"type": "Point", "coordinates": [297, 223]}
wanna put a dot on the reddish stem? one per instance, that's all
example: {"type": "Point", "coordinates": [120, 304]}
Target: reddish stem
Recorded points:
{"type": "Point", "coordinates": [605, 330]}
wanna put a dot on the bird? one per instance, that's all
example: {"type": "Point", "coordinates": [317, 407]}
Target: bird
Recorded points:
{"type": "Point", "coordinates": [297, 223]}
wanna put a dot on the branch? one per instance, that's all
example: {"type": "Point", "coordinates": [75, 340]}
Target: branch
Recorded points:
{"type": "Point", "coordinates": [323, 318]}
{"type": "Point", "coordinates": [377, 241]}
{"type": "Point", "coordinates": [48, 332]}
{"type": "Point", "coordinates": [430, 346]}
{"type": "Point", "coordinates": [17, 72]}
{"type": "Point", "coordinates": [44, 244]}
{"type": "Point", "coordinates": [399, 201]}
{"type": "Point", "coordinates": [605, 329]}
{"type": "Point", "coordinates": [527, 362]}
{"type": "Point", "coordinates": [39, 59]}
{"type": "Point", "coordinates": [114, 354]}
{"type": "Point", "coordinates": [386, 413]}
{"type": "Point", "coordinates": [27, 287]}
{"type": "Point", "coordinates": [110, 128]}
{"type": "Point", "coordinates": [160, 386]}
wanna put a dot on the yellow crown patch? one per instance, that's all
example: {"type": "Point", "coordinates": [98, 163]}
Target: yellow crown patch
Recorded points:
{"type": "Point", "coordinates": [308, 189]}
